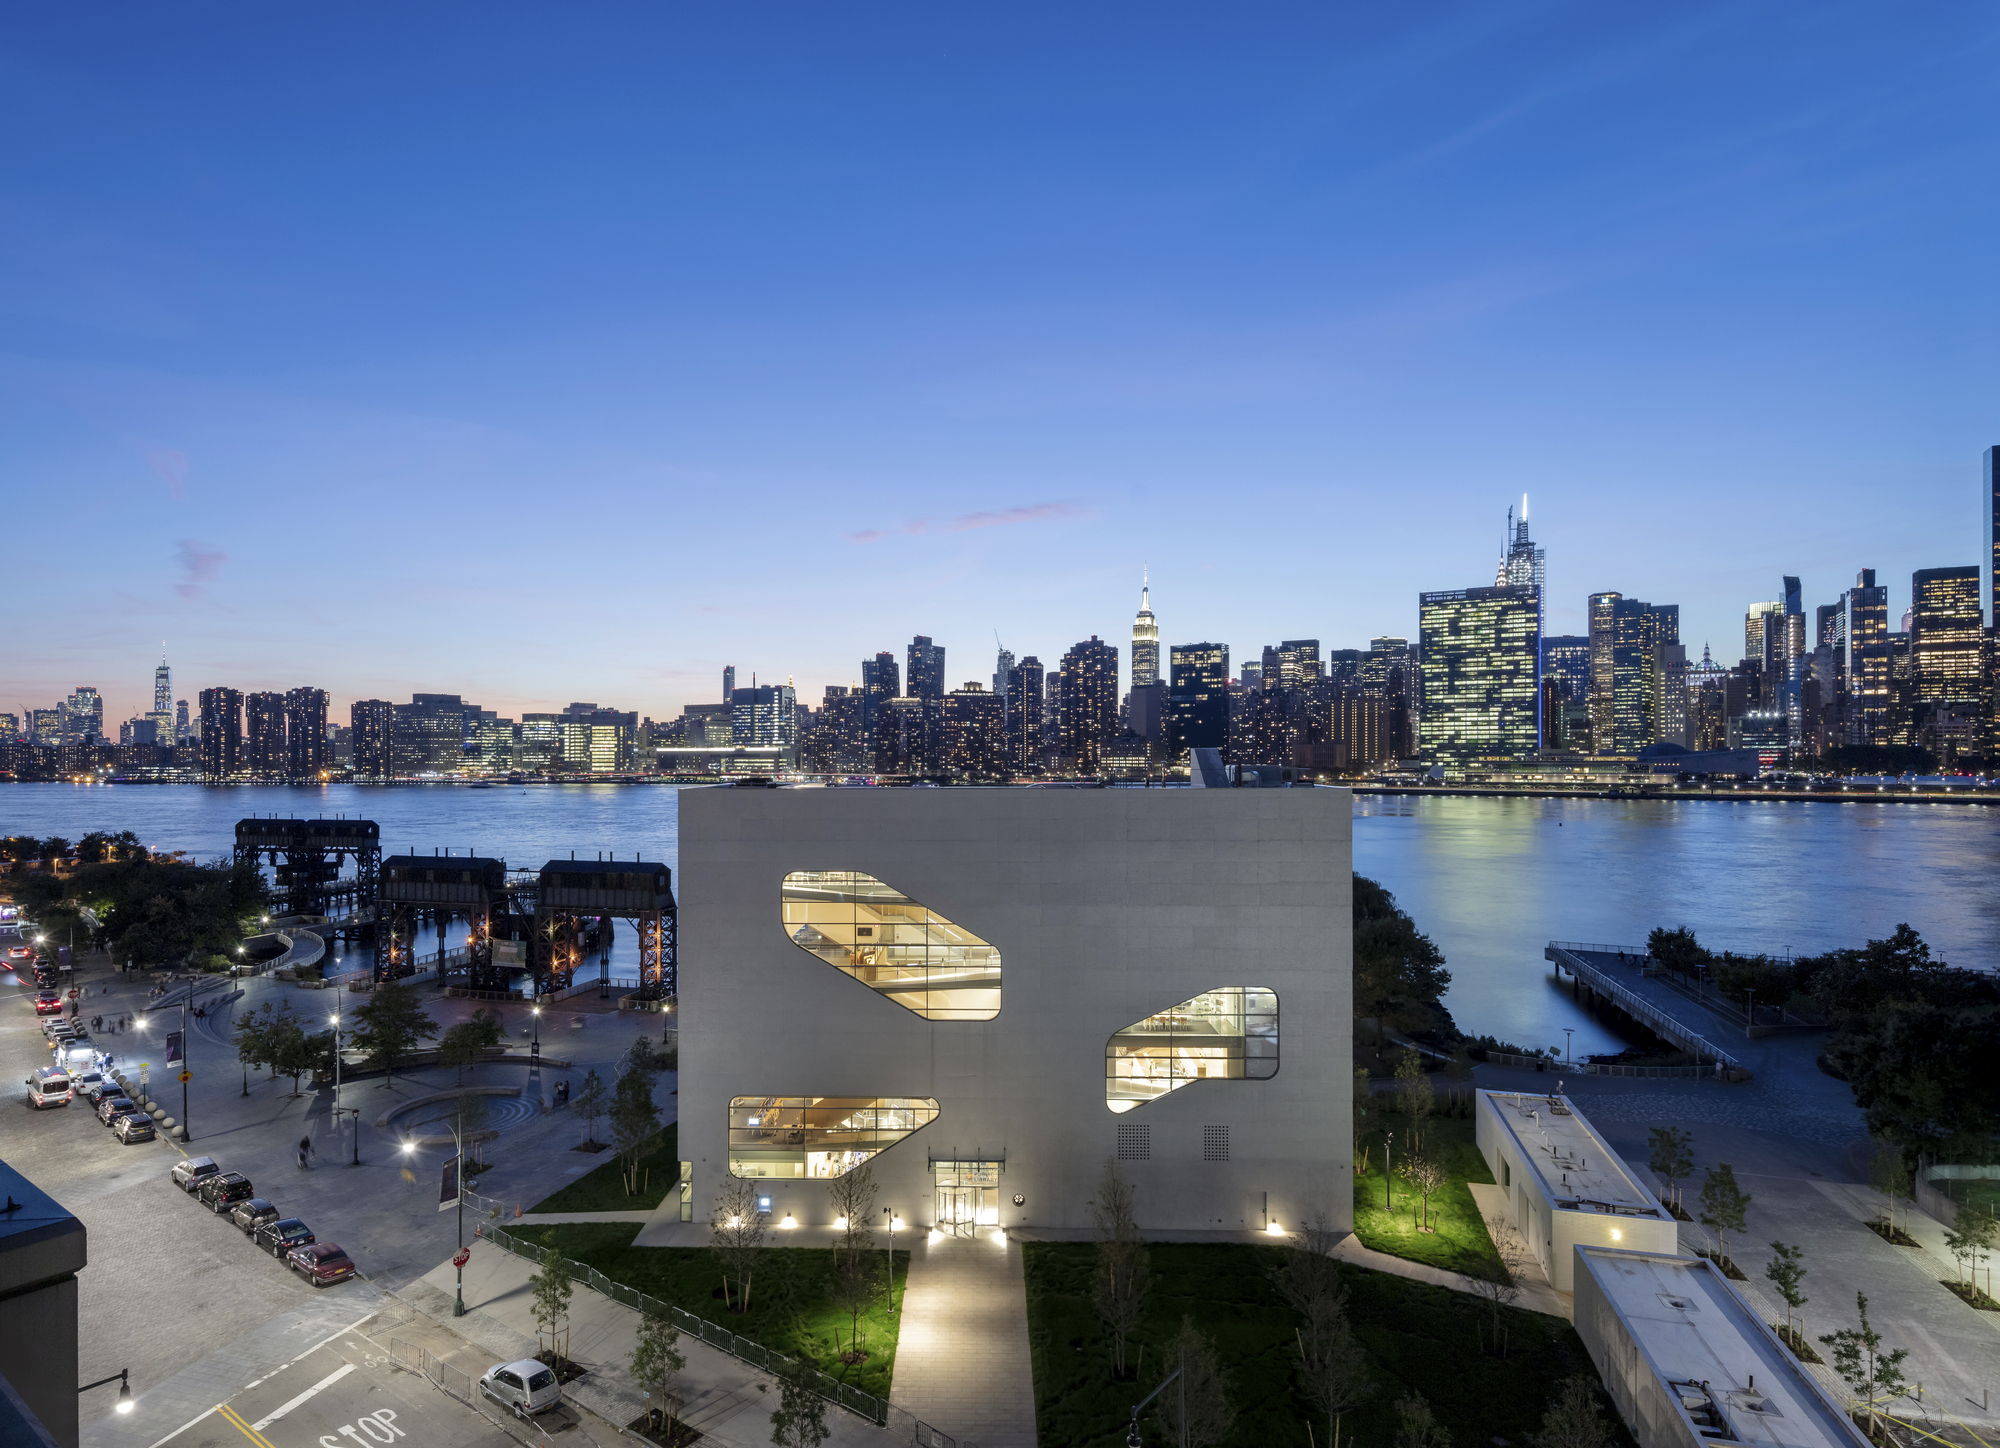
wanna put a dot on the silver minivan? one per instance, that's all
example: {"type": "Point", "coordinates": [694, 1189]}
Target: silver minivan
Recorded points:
{"type": "Point", "coordinates": [49, 1087]}
{"type": "Point", "coordinates": [526, 1386]}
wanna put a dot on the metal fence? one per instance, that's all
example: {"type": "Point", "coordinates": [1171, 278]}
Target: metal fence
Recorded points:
{"type": "Point", "coordinates": [448, 1379]}
{"type": "Point", "coordinates": [906, 1426]}
{"type": "Point", "coordinates": [1636, 1005]}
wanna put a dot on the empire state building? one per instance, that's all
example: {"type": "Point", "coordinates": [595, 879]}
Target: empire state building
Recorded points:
{"type": "Point", "coordinates": [1145, 641]}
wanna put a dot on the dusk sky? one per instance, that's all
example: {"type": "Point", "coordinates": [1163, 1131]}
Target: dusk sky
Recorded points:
{"type": "Point", "coordinates": [556, 353]}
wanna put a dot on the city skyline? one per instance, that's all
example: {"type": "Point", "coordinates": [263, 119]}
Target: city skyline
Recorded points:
{"type": "Point", "coordinates": [1311, 298]}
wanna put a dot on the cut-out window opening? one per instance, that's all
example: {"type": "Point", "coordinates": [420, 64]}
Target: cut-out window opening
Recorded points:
{"type": "Point", "coordinates": [892, 944]}
{"type": "Point", "coordinates": [818, 1136]}
{"type": "Point", "coordinates": [1227, 1034]}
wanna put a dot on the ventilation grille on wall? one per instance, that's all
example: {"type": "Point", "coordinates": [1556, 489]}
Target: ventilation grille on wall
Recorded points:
{"type": "Point", "coordinates": [1215, 1143]}
{"type": "Point", "coordinates": [1135, 1143]}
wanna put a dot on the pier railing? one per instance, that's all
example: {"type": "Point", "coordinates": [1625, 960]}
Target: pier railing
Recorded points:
{"type": "Point", "coordinates": [1568, 955]}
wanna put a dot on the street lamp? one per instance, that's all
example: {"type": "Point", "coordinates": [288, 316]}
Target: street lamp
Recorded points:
{"type": "Point", "coordinates": [335, 1018]}
{"type": "Point", "coordinates": [1568, 1058]}
{"type": "Point", "coordinates": [123, 1378]}
{"type": "Point", "coordinates": [1388, 1139]}
{"type": "Point", "coordinates": [1132, 1438]}
{"type": "Point", "coordinates": [459, 1258]}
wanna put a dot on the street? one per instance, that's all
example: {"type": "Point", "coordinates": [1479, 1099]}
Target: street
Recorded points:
{"type": "Point", "coordinates": [179, 1296]}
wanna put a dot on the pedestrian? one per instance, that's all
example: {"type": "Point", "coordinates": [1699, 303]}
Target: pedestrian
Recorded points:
{"type": "Point", "coordinates": [305, 1149]}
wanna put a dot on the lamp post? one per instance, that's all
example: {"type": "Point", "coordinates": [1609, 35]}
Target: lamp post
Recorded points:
{"type": "Point", "coordinates": [1132, 1438]}
{"type": "Point", "coordinates": [123, 1377]}
{"type": "Point", "coordinates": [458, 1151]}
{"type": "Point", "coordinates": [335, 1018]}
{"type": "Point", "coordinates": [1388, 1139]}
{"type": "Point", "coordinates": [1569, 1058]}
{"type": "Point", "coordinates": [186, 1135]}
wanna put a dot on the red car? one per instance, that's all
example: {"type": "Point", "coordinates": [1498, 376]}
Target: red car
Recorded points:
{"type": "Point", "coordinates": [320, 1263]}
{"type": "Point", "coordinates": [48, 1003]}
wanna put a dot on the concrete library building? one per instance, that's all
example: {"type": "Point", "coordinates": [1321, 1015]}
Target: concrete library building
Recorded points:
{"type": "Point", "coordinates": [985, 993]}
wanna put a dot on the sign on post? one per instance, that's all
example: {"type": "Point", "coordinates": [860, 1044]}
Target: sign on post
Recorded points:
{"type": "Point", "coordinates": [186, 1076]}
{"type": "Point", "coordinates": [448, 1185]}
{"type": "Point", "coordinates": [173, 1047]}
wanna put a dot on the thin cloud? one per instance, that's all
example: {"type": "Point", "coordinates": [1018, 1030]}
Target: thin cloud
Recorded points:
{"type": "Point", "coordinates": [965, 522]}
{"type": "Point", "coordinates": [172, 467]}
{"type": "Point", "coordinates": [201, 564]}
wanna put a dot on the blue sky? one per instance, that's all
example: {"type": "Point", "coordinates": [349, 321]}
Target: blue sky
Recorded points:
{"type": "Point", "coordinates": [553, 353]}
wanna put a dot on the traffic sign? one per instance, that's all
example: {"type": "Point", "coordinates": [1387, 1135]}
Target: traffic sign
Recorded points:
{"type": "Point", "coordinates": [462, 1256]}
{"type": "Point", "coordinates": [187, 1076]}
{"type": "Point", "coordinates": [74, 992]}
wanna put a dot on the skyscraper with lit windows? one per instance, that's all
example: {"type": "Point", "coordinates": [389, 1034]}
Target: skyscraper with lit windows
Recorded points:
{"type": "Point", "coordinates": [1480, 653]}
{"type": "Point", "coordinates": [1145, 641]}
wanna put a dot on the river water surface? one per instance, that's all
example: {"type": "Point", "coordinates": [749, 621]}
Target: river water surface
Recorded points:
{"type": "Point", "coordinates": [1491, 880]}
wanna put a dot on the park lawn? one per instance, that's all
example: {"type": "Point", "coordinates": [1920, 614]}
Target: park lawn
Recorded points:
{"type": "Point", "coordinates": [1460, 1242]}
{"type": "Point", "coordinates": [602, 1188]}
{"type": "Point", "coordinates": [790, 1308]}
{"type": "Point", "coordinates": [1419, 1338]}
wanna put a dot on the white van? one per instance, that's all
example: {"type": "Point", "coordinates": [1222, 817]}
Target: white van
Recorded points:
{"type": "Point", "coordinates": [49, 1087]}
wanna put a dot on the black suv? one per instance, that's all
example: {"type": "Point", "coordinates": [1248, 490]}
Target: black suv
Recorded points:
{"type": "Point", "coordinates": [252, 1213]}
{"type": "Point", "coordinates": [223, 1190]}
{"type": "Point", "coordinates": [278, 1238]}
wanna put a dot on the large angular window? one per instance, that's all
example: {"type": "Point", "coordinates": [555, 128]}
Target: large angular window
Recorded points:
{"type": "Point", "coordinates": [893, 945]}
{"type": "Point", "coordinates": [1227, 1034]}
{"type": "Point", "coordinates": [818, 1136]}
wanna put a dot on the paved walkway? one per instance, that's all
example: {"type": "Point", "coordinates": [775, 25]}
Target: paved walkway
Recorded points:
{"type": "Point", "coordinates": [1537, 1295]}
{"type": "Point", "coordinates": [729, 1401]}
{"type": "Point", "coordinates": [962, 1356]}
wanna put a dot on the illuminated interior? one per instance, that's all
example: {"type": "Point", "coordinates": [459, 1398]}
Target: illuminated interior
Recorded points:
{"type": "Point", "coordinates": [1227, 1034]}
{"type": "Point", "coordinates": [898, 948]}
{"type": "Point", "coordinates": [818, 1136]}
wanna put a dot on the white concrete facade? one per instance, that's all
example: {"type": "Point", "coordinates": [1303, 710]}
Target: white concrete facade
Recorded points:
{"type": "Point", "coordinates": [1565, 1186]}
{"type": "Point", "coordinates": [1688, 1362]}
{"type": "Point", "coordinates": [1107, 907]}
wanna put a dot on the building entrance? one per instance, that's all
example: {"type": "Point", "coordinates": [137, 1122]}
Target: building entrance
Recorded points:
{"type": "Point", "coordinates": [967, 1196]}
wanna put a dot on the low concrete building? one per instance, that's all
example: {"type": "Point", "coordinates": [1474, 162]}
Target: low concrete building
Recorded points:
{"type": "Point", "coordinates": [1565, 1186]}
{"type": "Point", "coordinates": [1689, 1363]}
{"type": "Point", "coordinates": [42, 1248]}
{"type": "Point", "coordinates": [985, 994]}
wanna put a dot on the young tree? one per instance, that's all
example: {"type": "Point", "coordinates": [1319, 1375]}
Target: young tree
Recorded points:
{"type": "Point", "coordinates": [292, 1051]}
{"type": "Point", "coordinates": [1417, 1426]}
{"type": "Point", "coordinates": [1123, 1273]}
{"type": "Point", "coordinates": [736, 1238]}
{"type": "Point", "coordinates": [1978, 1226]}
{"type": "Point", "coordinates": [1786, 1271]}
{"type": "Point", "coordinates": [1723, 1204]}
{"type": "Point", "coordinates": [465, 1044]}
{"type": "Point", "coordinates": [552, 1287]}
{"type": "Point", "coordinates": [1574, 1419]}
{"type": "Point", "coordinates": [1503, 1290]}
{"type": "Point", "coordinates": [1672, 1160]}
{"type": "Point", "coordinates": [1889, 1174]}
{"type": "Point", "coordinates": [800, 1421]}
{"type": "Point", "coordinates": [1333, 1367]}
{"type": "Point", "coordinates": [635, 1122]}
{"type": "Point", "coordinates": [1873, 1376]}
{"type": "Point", "coordinates": [391, 1025]}
{"type": "Point", "coordinates": [1195, 1410]}
{"type": "Point", "coordinates": [852, 1197]}
{"type": "Point", "coordinates": [656, 1365]}
{"type": "Point", "coordinates": [857, 1288]}
{"type": "Point", "coordinates": [1414, 1095]}
{"type": "Point", "coordinates": [252, 1045]}
{"type": "Point", "coordinates": [1424, 1170]}
{"type": "Point", "coordinates": [590, 1101]}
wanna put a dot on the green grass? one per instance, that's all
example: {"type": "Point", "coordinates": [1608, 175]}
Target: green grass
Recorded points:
{"type": "Point", "coordinates": [1419, 1338]}
{"type": "Point", "coordinates": [790, 1310]}
{"type": "Point", "coordinates": [602, 1189]}
{"type": "Point", "coordinates": [1460, 1241]}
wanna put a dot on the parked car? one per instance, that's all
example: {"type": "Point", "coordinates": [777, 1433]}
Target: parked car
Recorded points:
{"type": "Point", "coordinates": [525, 1386]}
{"type": "Point", "coordinates": [114, 1106]}
{"type": "Point", "coordinates": [49, 1087]}
{"type": "Point", "coordinates": [91, 1085]}
{"type": "Point", "coordinates": [320, 1263]}
{"type": "Point", "coordinates": [252, 1213]}
{"type": "Point", "coordinates": [224, 1190]}
{"type": "Point", "coordinates": [280, 1237]}
{"type": "Point", "coordinates": [129, 1129]}
{"type": "Point", "coordinates": [48, 1003]}
{"type": "Point", "coordinates": [191, 1172]}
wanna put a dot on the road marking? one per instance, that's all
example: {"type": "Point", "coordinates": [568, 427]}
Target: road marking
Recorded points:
{"type": "Point", "coordinates": [236, 1420]}
{"type": "Point", "coordinates": [326, 1382]}
{"type": "Point", "coordinates": [271, 1374]}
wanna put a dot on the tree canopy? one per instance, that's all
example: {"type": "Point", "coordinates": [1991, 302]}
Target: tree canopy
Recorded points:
{"type": "Point", "coordinates": [1399, 974]}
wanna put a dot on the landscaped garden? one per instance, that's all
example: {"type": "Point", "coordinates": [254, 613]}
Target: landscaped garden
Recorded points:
{"type": "Point", "coordinates": [792, 1308]}
{"type": "Point", "coordinates": [1418, 1338]}
{"type": "Point", "coordinates": [602, 1189]}
{"type": "Point", "coordinates": [1458, 1240]}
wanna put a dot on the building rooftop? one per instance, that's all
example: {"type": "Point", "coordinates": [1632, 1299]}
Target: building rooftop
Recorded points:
{"type": "Point", "coordinates": [1728, 1369]}
{"type": "Point", "coordinates": [1579, 1171]}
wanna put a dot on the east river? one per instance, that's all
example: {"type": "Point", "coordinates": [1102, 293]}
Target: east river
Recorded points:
{"type": "Point", "coordinates": [1491, 880]}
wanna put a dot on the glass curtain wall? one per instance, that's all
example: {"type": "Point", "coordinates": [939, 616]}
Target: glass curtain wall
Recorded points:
{"type": "Point", "coordinates": [893, 945]}
{"type": "Point", "coordinates": [818, 1136]}
{"type": "Point", "coordinates": [1227, 1034]}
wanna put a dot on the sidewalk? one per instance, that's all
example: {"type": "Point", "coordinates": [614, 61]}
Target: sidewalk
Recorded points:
{"type": "Point", "coordinates": [962, 1356]}
{"type": "Point", "coordinates": [1537, 1295]}
{"type": "Point", "coordinates": [729, 1401]}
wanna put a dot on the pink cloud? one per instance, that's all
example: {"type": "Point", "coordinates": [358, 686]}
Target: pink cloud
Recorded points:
{"type": "Point", "coordinates": [200, 564]}
{"type": "Point", "coordinates": [172, 467]}
{"type": "Point", "coordinates": [964, 522]}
